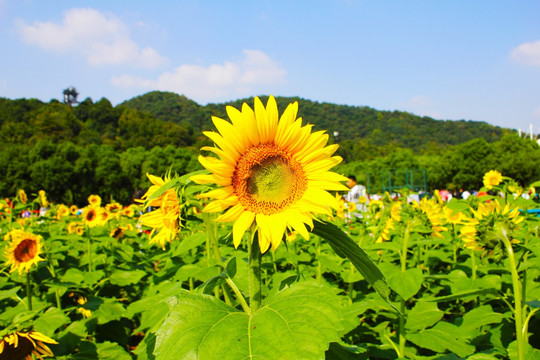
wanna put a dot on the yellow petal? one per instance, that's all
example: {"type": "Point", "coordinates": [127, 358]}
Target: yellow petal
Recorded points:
{"type": "Point", "coordinates": [229, 132]}
{"type": "Point", "coordinates": [287, 119]}
{"type": "Point", "coordinates": [216, 166]}
{"type": "Point", "coordinates": [241, 225]}
{"type": "Point", "coordinates": [323, 165]}
{"type": "Point", "coordinates": [250, 125]}
{"type": "Point", "coordinates": [232, 214]}
{"type": "Point", "coordinates": [261, 120]}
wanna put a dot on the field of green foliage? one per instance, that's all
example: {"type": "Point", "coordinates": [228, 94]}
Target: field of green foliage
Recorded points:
{"type": "Point", "coordinates": [457, 280]}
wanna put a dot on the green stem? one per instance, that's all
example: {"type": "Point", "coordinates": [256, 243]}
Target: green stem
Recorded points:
{"type": "Point", "coordinates": [473, 264]}
{"type": "Point", "coordinates": [518, 307]}
{"type": "Point", "coordinates": [29, 290]}
{"type": "Point", "coordinates": [319, 265]}
{"type": "Point", "coordinates": [89, 249]}
{"type": "Point", "coordinates": [238, 294]}
{"type": "Point", "coordinates": [254, 275]}
{"type": "Point", "coordinates": [212, 246]}
{"type": "Point", "coordinates": [403, 307]}
{"type": "Point", "coordinates": [401, 353]}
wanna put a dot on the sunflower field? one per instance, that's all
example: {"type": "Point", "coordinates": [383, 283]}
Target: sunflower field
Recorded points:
{"type": "Point", "coordinates": [259, 257]}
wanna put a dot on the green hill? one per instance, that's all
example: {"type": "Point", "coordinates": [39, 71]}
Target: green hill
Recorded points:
{"type": "Point", "coordinates": [350, 122]}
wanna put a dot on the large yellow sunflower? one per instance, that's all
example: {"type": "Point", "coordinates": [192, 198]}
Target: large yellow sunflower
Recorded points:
{"type": "Point", "coordinates": [273, 172]}
{"type": "Point", "coordinates": [22, 345]}
{"type": "Point", "coordinates": [23, 250]}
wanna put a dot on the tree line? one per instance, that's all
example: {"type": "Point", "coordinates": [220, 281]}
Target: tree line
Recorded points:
{"type": "Point", "coordinates": [96, 147]}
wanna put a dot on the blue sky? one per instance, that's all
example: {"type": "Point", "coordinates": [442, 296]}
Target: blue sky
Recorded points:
{"type": "Point", "coordinates": [472, 60]}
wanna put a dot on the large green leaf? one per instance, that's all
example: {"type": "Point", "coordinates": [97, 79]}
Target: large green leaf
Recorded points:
{"type": "Point", "coordinates": [111, 350]}
{"type": "Point", "coordinates": [298, 322]}
{"type": "Point", "coordinates": [477, 317]}
{"type": "Point", "coordinates": [123, 277]}
{"type": "Point", "coordinates": [423, 315]}
{"type": "Point", "coordinates": [443, 336]}
{"type": "Point", "coordinates": [51, 320]}
{"type": "Point", "coordinates": [406, 283]}
{"type": "Point", "coordinates": [345, 247]}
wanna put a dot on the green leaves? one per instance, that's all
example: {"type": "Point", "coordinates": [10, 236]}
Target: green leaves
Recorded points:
{"type": "Point", "coordinates": [345, 247]}
{"type": "Point", "coordinates": [298, 322]}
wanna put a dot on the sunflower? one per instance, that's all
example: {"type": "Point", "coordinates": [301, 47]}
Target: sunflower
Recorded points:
{"type": "Point", "coordinates": [23, 250]}
{"type": "Point", "coordinates": [165, 219]}
{"type": "Point", "coordinates": [453, 216]}
{"type": "Point", "coordinates": [74, 209]}
{"type": "Point", "coordinates": [273, 173]}
{"type": "Point", "coordinates": [43, 198]}
{"type": "Point", "coordinates": [21, 345]}
{"type": "Point", "coordinates": [129, 211]}
{"type": "Point", "coordinates": [62, 211]}
{"type": "Point", "coordinates": [94, 200]}
{"type": "Point", "coordinates": [492, 178]}
{"type": "Point", "coordinates": [22, 196]}
{"type": "Point", "coordinates": [435, 216]}
{"type": "Point", "coordinates": [468, 233]}
{"type": "Point", "coordinates": [93, 216]}
{"type": "Point", "coordinates": [114, 210]}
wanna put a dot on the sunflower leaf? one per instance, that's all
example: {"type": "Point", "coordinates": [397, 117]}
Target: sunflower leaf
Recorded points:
{"type": "Point", "coordinates": [345, 247]}
{"type": "Point", "coordinates": [298, 322]}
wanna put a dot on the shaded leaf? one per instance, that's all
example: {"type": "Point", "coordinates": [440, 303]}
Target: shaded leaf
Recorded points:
{"type": "Point", "coordinates": [345, 247]}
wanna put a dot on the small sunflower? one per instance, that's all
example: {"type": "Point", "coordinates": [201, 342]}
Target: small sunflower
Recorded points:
{"type": "Point", "coordinates": [165, 219]}
{"type": "Point", "coordinates": [435, 216]}
{"type": "Point", "coordinates": [62, 211]}
{"type": "Point", "coordinates": [468, 233]}
{"type": "Point", "coordinates": [93, 216]}
{"type": "Point", "coordinates": [454, 217]}
{"type": "Point", "coordinates": [94, 200]}
{"type": "Point", "coordinates": [22, 196]}
{"type": "Point", "coordinates": [114, 210]}
{"type": "Point", "coordinates": [23, 250]}
{"type": "Point", "coordinates": [22, 345]}
{"type": "Point", "coordinates": [43, 198]}
{"type": "Point", "coordinates": [74, 209]}
{"type": "Point", "coordinates": [73, 226]}
{"type": "Point", "coordinates": [273, 173]}
{"type": "Point", "coordinates": [492, 178]}
{"type": "Point", "coordinates": [129, 211]}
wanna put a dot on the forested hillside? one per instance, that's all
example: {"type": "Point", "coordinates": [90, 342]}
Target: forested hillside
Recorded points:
{"type": "Point", "coordinates": [95, 146]}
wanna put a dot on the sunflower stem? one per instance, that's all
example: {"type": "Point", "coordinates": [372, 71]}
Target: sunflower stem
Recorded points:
{"type": "Point", "coordinates": [518, 307]}
{"type": "Point", "coordinates": [89, 250]}
{"type": "Point", "coordinates": [254, 275]}
{"type": "Point", "coordinates": [238, 294]}
{"type": "Point", "coordinates": [473, 264]}
{"type": "Point", "coordinates": [29, 290]}
{"type": "Point", "coordinates": [319, 265]}
{"type": "Point", "coordinates": [212, 246]}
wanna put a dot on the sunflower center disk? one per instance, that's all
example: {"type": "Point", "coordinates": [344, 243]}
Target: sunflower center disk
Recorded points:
{"type": "Point", "coordinates": [267, 180]}
{"type": "Point", "coordinates": [25, 251]}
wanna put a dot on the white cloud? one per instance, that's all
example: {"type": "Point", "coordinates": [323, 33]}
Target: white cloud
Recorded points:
{"type": "Point", "coordinates": [527, 53]}
{"type": "Point", "coordinates": [102, 38]}
{"type": "Point", "coordinates": [230, 79]}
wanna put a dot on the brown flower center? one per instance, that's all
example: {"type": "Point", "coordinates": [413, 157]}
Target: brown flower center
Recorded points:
{"type": "Point", "coordinates": [26, 250]}
{"type": "Point", "coordinates": [267, 180]}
